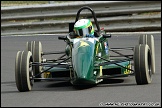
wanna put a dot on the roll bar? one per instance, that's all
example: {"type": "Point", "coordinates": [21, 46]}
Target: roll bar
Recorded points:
{"type": "Point", "coordinates": [93, 13]}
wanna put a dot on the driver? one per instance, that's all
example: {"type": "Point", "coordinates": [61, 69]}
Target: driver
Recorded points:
{"type": "Point", "coordinates": [84, 28]}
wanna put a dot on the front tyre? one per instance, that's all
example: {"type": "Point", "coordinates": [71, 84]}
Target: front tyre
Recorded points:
{"type": "Point", "coordinates": [23, 71]}
{"type": "Point", "coordinates": [142, 64]}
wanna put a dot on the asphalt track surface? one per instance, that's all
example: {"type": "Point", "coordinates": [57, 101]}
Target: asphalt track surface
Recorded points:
{"type": "Point", "coordinates": [118, 92]}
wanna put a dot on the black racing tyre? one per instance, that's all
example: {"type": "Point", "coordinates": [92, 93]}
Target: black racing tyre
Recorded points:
{"type": "Point", "coordinates": [29, 46]}
{"type": "Point", "coordinates": [37, 57]}
{"type": "Point", "coordinates": [36, 48]}
{"type": "Point", "coordinates": [23, 71]}
{"type": "Point", "coordinates": [142, 64]}
{"type": "Point", "coordinates": [149, 40]}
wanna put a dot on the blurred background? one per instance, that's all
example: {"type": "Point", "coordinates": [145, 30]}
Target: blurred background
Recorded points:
{"type": "Point", "coordinates": [53, 17]}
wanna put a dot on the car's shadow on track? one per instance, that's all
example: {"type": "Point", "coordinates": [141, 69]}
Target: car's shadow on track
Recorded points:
{"type": "Point", "coordinates": [8, 84]}
{"type": "Point", "coordinates": [115, 83]}
{"type": "Point", "coordinates": [59, 86]}
{"type": "Point", "coordinates": [67, 86]}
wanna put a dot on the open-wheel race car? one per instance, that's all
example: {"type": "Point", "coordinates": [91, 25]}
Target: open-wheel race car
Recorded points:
{"type": "Point", "coordinates": [86, 60]}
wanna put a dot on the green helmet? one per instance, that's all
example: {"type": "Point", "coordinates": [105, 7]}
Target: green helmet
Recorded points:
{"type": "Point", "coordinates": [83, 28]}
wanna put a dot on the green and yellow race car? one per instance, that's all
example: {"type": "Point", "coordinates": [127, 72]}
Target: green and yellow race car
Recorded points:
{"type": "Point", "coordinates": [86, 60]}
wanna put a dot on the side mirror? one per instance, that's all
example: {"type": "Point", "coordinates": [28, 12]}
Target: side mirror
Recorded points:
{"type": "Point", "coordinates": [71, 26]}
{"type": "Point", "coordinates": [106, 35]}
{"type": "Point", "coordinates": [62, 38]}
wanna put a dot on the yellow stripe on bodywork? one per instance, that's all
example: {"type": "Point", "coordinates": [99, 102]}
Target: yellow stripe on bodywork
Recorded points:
{"type": "Point", "coordinates": [100, 70]}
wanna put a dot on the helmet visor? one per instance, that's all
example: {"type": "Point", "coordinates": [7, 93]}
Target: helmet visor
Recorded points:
{"type": "Point", "coordinates": [84, 31]}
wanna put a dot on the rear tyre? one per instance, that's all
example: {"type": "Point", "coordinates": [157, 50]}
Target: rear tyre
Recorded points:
{"type": "Point", "coordinates": [142, 64]}
{"type": "Point", "coordinates": [37, 57]}
{"type": "Point", "coordinates": [149, 40]}
{"type": "Point", "coordinates": [29, 46]}
{"type": "Point", "coordinates": [36, 48]}
{"type": "Point", "coordinates": [23, 71]}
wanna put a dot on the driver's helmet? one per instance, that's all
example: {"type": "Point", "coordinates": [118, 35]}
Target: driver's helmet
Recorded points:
{"type": "Point", "coordinates": [84, 28]}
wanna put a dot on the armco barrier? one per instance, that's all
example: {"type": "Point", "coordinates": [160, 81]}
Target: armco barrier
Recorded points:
{"type": "Point", "coordinates": [114, 16]}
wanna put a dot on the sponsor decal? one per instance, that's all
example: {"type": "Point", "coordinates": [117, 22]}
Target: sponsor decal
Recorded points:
{"type": "Point", "coordinates": [106, 47]}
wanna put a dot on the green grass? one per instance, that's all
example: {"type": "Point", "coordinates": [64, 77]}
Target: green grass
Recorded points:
{"type": "Point", "coordinates": [150, 13]}
{"type": "Point", "coordinates": [19, 3]}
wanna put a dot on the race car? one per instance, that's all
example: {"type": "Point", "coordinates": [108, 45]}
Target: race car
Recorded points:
{"type": "Point", "coordinates": [85, 60]}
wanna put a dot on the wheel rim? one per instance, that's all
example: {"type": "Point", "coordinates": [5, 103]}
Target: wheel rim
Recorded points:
{"type": "Point", "coordinates": [149, 64]}
{"type": "Point", "coordinates": [31, 73]}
